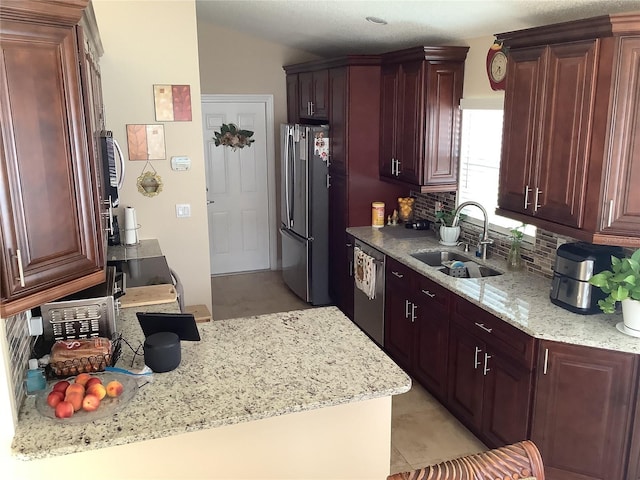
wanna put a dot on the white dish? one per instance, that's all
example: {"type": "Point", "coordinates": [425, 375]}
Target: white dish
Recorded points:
{"type": "Point", "coordinates": [628, 331]}
{"type": "Point", "coordinates": [448, 244]}
{"type": "Point", "coordinates": [108, 406]}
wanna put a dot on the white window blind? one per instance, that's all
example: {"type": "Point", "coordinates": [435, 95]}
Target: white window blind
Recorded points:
{"type": "Point", "coordinates": [481, 143]}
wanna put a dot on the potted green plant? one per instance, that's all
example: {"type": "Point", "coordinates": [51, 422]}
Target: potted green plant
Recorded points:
{"type": "Point", "coordinates": [622, 284]}
{"type": "Point", "coordinates": [448, 234]}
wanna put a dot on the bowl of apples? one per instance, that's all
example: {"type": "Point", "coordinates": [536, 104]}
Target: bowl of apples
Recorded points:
{"type": "Point", "coordinates": [86, 397]}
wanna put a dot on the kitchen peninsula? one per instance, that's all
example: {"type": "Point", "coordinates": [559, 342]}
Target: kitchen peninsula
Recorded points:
{"type": "Point", "coordinates": [288, 395]}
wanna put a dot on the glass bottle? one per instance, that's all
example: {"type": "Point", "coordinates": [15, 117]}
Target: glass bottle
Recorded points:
{"type": "Point", "coordinates": [514, 260]}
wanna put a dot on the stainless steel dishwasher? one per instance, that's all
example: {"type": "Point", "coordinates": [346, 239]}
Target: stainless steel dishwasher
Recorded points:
{"type": "Point", "coordinates": [368, 313]}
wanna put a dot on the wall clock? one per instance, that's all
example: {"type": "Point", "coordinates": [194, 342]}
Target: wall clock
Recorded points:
{"type": "Point", "coordinates": [497, 66]}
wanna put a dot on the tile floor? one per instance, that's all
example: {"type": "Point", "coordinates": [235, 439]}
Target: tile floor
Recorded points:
{"type": "Point", "coordinates": [423, 432]}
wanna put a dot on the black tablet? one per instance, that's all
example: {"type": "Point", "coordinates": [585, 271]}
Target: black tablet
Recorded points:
{"type": "Point", "coordinates": [182, 324]}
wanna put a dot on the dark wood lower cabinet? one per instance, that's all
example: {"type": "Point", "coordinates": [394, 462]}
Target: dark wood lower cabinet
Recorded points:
{"type": "Point", "coordinates": [490, 386]}
{"type": "Point", "coordinates": [582, 417]}
{"type": "Point", "coordinates": [417, 326]}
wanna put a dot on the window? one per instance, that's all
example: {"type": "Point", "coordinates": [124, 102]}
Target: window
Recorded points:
{"type": "Point", "coordinates": [481, 143]}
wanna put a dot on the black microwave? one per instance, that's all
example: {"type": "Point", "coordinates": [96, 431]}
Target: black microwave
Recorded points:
{"type": "Point", "coordinates": [111, 180]}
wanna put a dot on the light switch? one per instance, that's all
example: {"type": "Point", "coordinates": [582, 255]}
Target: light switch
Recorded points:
{"type": "Point", "coordinates": [180, 164]}
{"type": "Point", "coordinates": [183, 210]}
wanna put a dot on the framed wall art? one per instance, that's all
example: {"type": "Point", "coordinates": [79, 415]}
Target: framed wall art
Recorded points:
{"type": "Point", "coordinates": [172, 103]}
{"type": "Point", "coordinates": [146, 142]}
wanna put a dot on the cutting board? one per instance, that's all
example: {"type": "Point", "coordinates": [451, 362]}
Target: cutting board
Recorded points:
{"type": "Point", "coordinates": [150, 295]}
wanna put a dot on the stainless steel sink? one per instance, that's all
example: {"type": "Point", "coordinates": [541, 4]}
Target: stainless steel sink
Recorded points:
{"type": "Point", "coordinates": [484, 271]}
{"type": "Point", "coordinates": [436, 259]}
{"type": "Point", "coordinates": [442, 258]}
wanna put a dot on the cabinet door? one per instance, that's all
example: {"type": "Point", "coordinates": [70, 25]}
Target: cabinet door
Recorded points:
{"type": "Point", "coordinates": [432, 343]}
{"type": "Point", "coordinates": [560, 184]}
{"type": "Point", "coordinates": [507, 400]}
{"type": "Point", "coordinates": [520, 138]}
{"type": "Point", "coordinates": [633, 472]}
{"type": "Point", "coordinates": [48, 211]}
{"type": "Point", "coordinates": [341, 284]}
{"type": "Point", "coordinates": [622, 196]}
{"type": "Point", "coordinates": [338, 119]}
{"type": "Point", "coordinates": [314, 94]}
{"type": "Point", "coordinates": [305, 94]}
{"type": "Point", "coordinates": [388, 118]}
{"type": "Point", "coordinates": [320, 107]}
{"type": "Point", "coordinates": [582, 410]}
{"type": "Point", "coordinates": [441, 130]}
{"type": "Point", "coordinates": [398, 311]}
{"type": "Point", "coordinates": [466, 381]}
{"type": "Point", "coordinates": [410, 127]}
{"type": "Point", "coordinates": [293, 99]}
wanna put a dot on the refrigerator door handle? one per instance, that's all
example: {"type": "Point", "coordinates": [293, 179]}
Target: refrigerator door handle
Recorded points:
{"type": "Point", "coordinates": [288, 152]}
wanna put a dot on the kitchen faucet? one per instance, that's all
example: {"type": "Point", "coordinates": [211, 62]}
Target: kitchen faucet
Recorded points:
{"type": "Point", "coordinates": [485, 228]}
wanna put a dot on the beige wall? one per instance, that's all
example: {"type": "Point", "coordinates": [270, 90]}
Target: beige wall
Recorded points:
{"type": "Point", "coordinates": [149, 43]}
{"type": "Point", "coordinates": [476, 82]}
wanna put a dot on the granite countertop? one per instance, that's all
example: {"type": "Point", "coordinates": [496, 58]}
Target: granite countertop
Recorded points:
{"type": "Point", "coordinates": [242, 370]}
{"type": "Point", "coordinates": [519, 298]}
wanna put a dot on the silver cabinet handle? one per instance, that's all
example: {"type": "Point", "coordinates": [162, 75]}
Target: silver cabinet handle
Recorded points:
{"type": "Point", "coordinates": [536, 205]}
{"type": "Point", "coordinates": [526, 196]}
{"type": "Point", "coordinates": [476, 363]}
{"type": "Point", "coordinates": [481, 325]}
{"type": "Point", "coordinates": [414, 307]}
{"type": "Point", "coordinates": [428, 293]}
{"type": "Point", "coordinates": [546, 361]}
{"type": "Point", "coordinates": [20, 268]}
{"type": "Point", "coordinates": [398, 162]}
{"type": "Point", "coordinates": [393, 166]}
{"type": "Point", "coordinates": [610, 219]}
{"type": "Point", "coordinates": [486, 368]}
{"type": "Point", "coordinates": [311, 112]}
{"type": "Point", "coordinates": [328, 180]}
{"type": "Point", "coordinates": [399, 275]}
{"type": "Point", "coordinates": [406, 308]}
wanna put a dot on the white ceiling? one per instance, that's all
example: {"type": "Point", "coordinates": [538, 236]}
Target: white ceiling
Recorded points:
{"type": "Point", "coordinates": [337, 27]}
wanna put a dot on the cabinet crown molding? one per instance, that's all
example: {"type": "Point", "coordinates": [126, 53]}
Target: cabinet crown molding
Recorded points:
{"type": "Point", "coordinates": [47, 12]}
{"type": "Point", "coordinates": [576, 30]}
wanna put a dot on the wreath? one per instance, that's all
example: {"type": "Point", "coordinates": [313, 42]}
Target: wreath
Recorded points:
{"type": "Point", "coordinates": [230, 136]}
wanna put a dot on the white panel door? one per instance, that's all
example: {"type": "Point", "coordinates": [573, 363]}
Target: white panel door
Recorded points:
{"type": "Point", "coordinates": [237, 193]}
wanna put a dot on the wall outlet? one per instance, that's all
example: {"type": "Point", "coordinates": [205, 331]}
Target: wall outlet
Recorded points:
{"type": "Point", "coordinates": [34, 325]}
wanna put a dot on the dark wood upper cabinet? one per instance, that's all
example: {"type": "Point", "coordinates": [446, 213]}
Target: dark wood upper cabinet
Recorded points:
{"type": "Point", "coordinates": [583, 407]}
{"type": "Point", "coordinates": [571, 145]}
{"type": "Point", "coordinates": [421, 89]}
{"type": "Point", "coordinates": [313, 94]}
{"type": "Point", "coordinates": [50, 240]}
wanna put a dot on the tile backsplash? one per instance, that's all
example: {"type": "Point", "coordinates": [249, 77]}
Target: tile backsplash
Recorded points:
{"type": "Point", "coordinates": [538, 258]}
{"type": "Point", "coordinates": [20, 347]}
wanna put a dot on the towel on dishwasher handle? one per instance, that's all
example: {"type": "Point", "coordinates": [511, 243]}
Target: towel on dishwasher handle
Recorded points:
{"type": "Point", "coordinates": [365, 272]}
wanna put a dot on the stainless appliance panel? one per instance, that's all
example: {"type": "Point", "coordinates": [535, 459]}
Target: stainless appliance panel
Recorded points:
{"type": "Point", "coordinates": [295, 263]}
{"type": "Point", "coordinates": [582, 270]}
{"type": "Point", "coordinates": [571, 292]}
{"type": "Point", "coordinates": [304, 211]}
{"type": "Point", "coordinates": [368, 314]}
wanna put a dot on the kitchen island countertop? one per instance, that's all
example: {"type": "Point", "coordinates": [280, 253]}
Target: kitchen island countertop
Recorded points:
{"type": "Point", "coordinates": [242, 370]}
{"type": "Point", "coordinates": [519, 298]}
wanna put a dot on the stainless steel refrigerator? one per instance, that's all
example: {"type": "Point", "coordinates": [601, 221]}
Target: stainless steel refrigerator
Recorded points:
{"type": "Point", "coordinates": [304, 214]}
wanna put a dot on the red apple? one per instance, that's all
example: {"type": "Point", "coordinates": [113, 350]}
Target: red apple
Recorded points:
{"type": "Point", "coordinates": [54, 398]}
{"type": "Point", "coordinates": [61, 386]}
{"type": "Point", "coordinates": [114, 388]}
{"type": "Point", "coordinates": [92, 381]}
{"type": "Point", "coordinates": [98, 390]}
{"type": "Point", "coordinates": [64, 409]}
{"type": "Point", "coordinates": [90, 403]}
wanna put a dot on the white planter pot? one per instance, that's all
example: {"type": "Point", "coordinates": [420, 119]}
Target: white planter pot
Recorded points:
{"type": "Point", "coordinates": [449, 235]}
{"type": "Point", "coordinates": [631, 316]}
